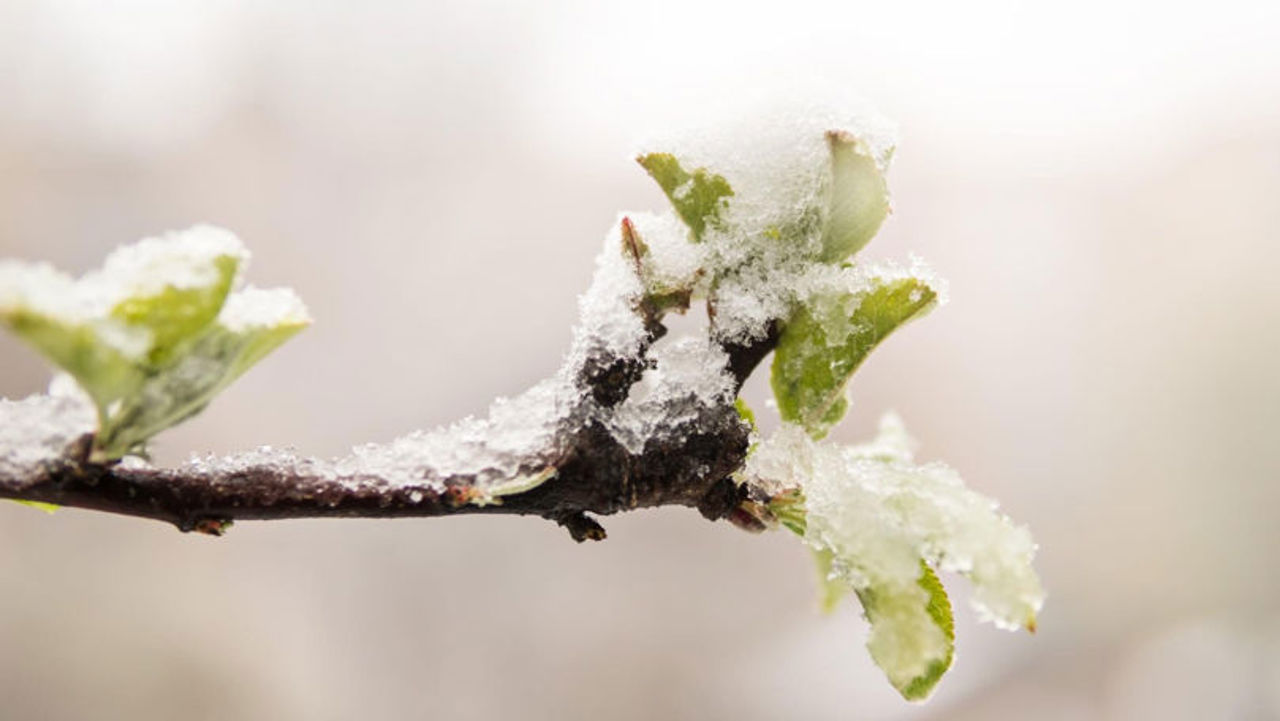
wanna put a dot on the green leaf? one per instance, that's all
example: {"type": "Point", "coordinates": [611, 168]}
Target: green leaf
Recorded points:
{"type": "Point", "coordinates": [859, 200]}
{"type": "Point", "coordinates": [788, 508]}
{"type": "Point", "coordinates": [659, 297]}
{"type": "Point", "coordinates": [175, 315]}
{"type": "Point", "coordinates": [89, 351]}
{"type": "Point", "coordinates": [832, 589]}
{"type": "Point", "coordinates": [827, 339]}
{"type": "Point", "coordinates": [912, 633]}
{"type": "Point", "coordinates": [179, 391]}
{"type": "Point", "coordinates": [912, 629]}
{"type": "Point", "coordinates": [39, 505]}
{"type": "Point", "coordinates": [698, 197]}
{"type": "Point", "coordinates": [155, 334]}
{"type": "Point", "coordinates": [745, 412]}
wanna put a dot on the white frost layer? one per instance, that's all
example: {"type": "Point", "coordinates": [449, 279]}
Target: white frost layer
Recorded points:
{"type": "Point", "coordinates": [671, 261]}
{"type": "Point", "coordinates": [777, 159]}
{"type": "Point", "coordinates": [182, 259]}
{"type": "Point", "coordinates": [517, 438]}
{"type": "Point", "coordinates": [905, 640]}
{"type": "Point", "coordinates": [880, 513]}
{"type": "Point", "coordinates": [262, 308]}
{"type": "Point", "coordinates": [690, 374]}
{"type": "Point", "coordinates": [779, 167]}
{"type": "Point", "coordinates": [607, 318]}
{"type": "Point", "coordinates": [37, 429]}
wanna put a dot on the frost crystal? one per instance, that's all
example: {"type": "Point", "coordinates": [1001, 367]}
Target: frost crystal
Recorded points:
{"type": "Point", "coordinates": [670, 261]}
{"type": "Point", "coordinates": [689, 374]}
{"type": "Point", "coordinates": [37, 430]}
{"type": "Point", "coordinates": [181, 260]}
{"type": "Point", "coordinates": [781, 215]}
{"type": "Point", "coordinates": [262, 308]}
{"type": "Point", "coordinates": [155, 333]}
{"type": "Point", "coordinates": [608, 320]}
{"type": "Point", "coordinates": [519, 438]}
{"type": "Point", "coordinates": [880, 514]}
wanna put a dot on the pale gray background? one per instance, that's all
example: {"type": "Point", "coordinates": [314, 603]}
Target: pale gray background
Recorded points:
{"type": "Point", "coordinates": [1098, 180]}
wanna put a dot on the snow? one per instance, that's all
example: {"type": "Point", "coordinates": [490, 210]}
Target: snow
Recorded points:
{"type": "Point", "coordinates": [880, 513]}
{"type": "Point", "coordinates": [182, 259]}
{"type": "Point", "coordinates": [670, 261]}
{"type": "Point", "coordinates": [260, 308]}
{"type": "Point", "coordinates": [779, 164]}
{"type": "Point", "coordinates": [905, 640]}
{"type": "Point", "coordinates": [777, 161]}
{"type": "Point", "coordinates": [519, 437]}
{"type": "Point", "coordinates": [689, 375]}
{"type": "Point", "coordinates": [37, 430]}
{"type": "Point", "coordinates": [608, 321]}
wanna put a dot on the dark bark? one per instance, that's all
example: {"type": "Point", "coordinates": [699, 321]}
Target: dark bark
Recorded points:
{"type": "Point", "coordinates": [689, 464]}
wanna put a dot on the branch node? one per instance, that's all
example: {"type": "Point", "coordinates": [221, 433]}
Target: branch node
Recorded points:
{"type": "Point", "coordinates": [581, 527]}
{"type": "Point", "coordinates": [207, 526]}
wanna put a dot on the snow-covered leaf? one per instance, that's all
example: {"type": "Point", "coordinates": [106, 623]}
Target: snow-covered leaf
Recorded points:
{"type": "Point", "coordinates": [176, 314]}
{"type": "Point", "coordinates": [859, 197]}
{"type": "Point", "coordinates": [826, 340]}
{"type": "Point", "coordinates": [832, 589]}
{"type": "Point", "coordinates": [90, 350]}
{"type": "Point", "coordinates": [699, 197]}
{"type": "Point", "coordinates": [879, 523]}
{"type": "Point", "coordinates": [185, 386]}
{"type": "Point", "coordinates": [912, 629]}
{"type": "Point", "coordinates": [154, 334]}
{"type": "Point", "coordinates": [912, 632]}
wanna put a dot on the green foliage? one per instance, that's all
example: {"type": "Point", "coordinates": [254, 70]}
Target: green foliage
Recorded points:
{"type": "Point", "coordinates": [156, 354]}
{"type": "Point", "coordinates": [39, 505]}
{"type": "Point", "coordinates": [904, 618]}
{"type": "Point", "coordinates": [825, 341]}
{"type": "Point", "coordinates": [175, 316]}
{"type": "Point", "coordinates": [832, 589]}
{"type": "Point", "coordinates": [698, 197]}
{"type": "Point", "coordinates": [82, 349]}
{"type": "Point", "coordinates": [746, 413]}
{"type": "Point", "coordinates": [908, 628]}
{"type": "Point", "coordinates": [181, 388]}
{"type": "Point", "coordinates": [859, 200]}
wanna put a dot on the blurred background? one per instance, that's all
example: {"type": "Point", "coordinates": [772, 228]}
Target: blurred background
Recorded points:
{"type": "Point", "coordinates": [1098, 180]}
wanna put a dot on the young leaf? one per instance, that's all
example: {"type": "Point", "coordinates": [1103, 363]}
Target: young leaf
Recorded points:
{"type": "Point", "coordinates": [154, 334]}
{"type": "Point", "coordinates": [698, 197]}
{"type": "Point", "coordinates": [912, 632]}
{"type": "Point", "coordinates": [220, 355]}
{"type": "Point", "coordinates": [174, 314]}
{"type": "Point", "coordinates": [97, 353]}
{"type": "Point", "coordinates": [659, 296]}
{"type": "Point", "coordinates": [831, 587]}
{"type": "Point", "coordinates": [827, 339]}
{"type": "Point", "coordinates": [859, 199]}
{"type": "Point", "coordinates": [745, 412]}
{"type": "Point", "coordinates": [39, 505]}
{"type": "Point", "coordinates": [912, 629]}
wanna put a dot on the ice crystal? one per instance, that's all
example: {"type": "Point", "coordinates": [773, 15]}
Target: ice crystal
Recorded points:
{"type": "Point", "coordinates": [688, 374]}
{"type": "Point", "coordinates": [38, 429]}
{"type": "Point", "coordinates": [790, 203]}
{"type": "Point", "coordinates": [880, 513]}
{"type": "Point", "coordinates": [518, 438]}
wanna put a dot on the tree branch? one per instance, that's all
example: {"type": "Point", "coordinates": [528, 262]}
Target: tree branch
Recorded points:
{"type": "Point", "coordinates": [689, 464]}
